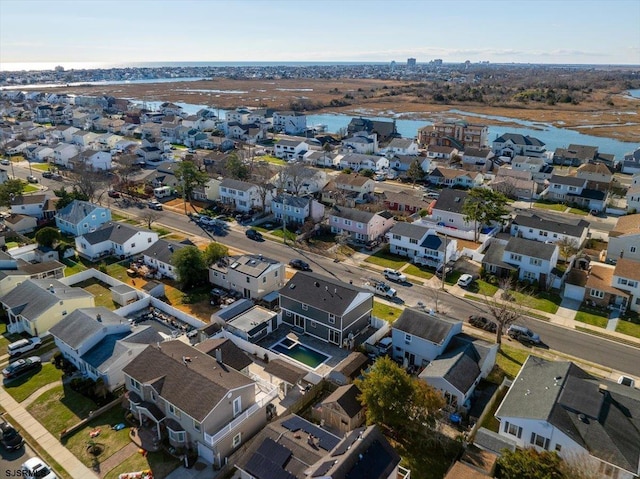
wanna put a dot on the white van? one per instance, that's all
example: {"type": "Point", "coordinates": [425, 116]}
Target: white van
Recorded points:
{"type": "Point", "coordinates": [162, 191]}
{"type": "Point", "coordinates": [24, 345]}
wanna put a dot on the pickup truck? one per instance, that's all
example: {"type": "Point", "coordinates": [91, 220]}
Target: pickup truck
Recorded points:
{"type": "Point", "coordinates": [380, 288]}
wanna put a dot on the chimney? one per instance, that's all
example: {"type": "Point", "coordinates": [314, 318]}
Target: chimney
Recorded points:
{"type": "Point", "coordinates": [99, 318]}
{"type": "Point", "coordinates": [219, 355]}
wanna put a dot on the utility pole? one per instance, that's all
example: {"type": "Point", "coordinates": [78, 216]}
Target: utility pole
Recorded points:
{"type": "Point", "coordinates": [284, 218]}
{"type": "Point", "coordinates": [444, 265]}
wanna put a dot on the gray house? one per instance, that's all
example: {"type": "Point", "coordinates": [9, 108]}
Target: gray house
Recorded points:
{"type": "Point", "coordinates": [325, 307]}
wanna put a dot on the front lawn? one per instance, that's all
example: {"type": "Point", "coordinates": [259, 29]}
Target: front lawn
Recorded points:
{"type": "Point", "coordinates": [108, 440]}
{"type": "Point", "coordinates": [271, 159]}
{"type": "Point", "coordinates": [591, 316]}
{"type": "Point", "coordinates": [29, 188]}
{"type": "Point", "coordinates": [629, 328]}
{"type": "Point", "coordinates": [60, 408]}
{"type": "Point", "coordinates": [453, 277]}
{"type": "Point", "coordinates": [418, 271]}
{"type": "Point", "coordinates": [386, 312]}
{"type": "Point", "coordinates": [23, 387]}
{"type": "Point", "coordinates": [508, 362]}
{"type": "Point", "coordinates": [387, 260]}
{"type": "Point", "coordinates": [291, 236]}
{"type": "Point", "coordinates": [550, 206]}
{"type": "Point", "coordinates": [480, 286]}
{"type": "Point", "coordinates": [542, 301]}
{"type": "Point", "coordinates": [100, 291]}
{"type": "Point", "coordinates": [161, 464]}
{"type": "Point", "coordinates": [40, 166]}
{"type": "Point", "coordinates": [577, 211]}
{"type": "Point", "coordinates": [6, 338]}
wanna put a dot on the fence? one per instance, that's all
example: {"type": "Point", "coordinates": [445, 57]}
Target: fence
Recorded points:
{"type": "Point", "coordinates": [489, 408]}
{"type": "Point", "coordinates": [70, 430]}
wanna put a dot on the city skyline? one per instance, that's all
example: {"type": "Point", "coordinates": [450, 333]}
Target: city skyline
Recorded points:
{"type": "Point", "coordinates": [117, 32]}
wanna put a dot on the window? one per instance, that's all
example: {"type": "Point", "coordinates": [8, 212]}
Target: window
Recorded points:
{"type": "Point", "coordinates": [134, 384]}
{"type": "Point", "coordinates": [248, 279]}
{"type": "Point", "coordinates": [543, 233]}
{"type": "Point", "coordinates": [196, 425]}
{"type": "Point", "coordinates": [264, 279]}
{"type": "Point", "coordinates": [177, 436]}
{"type": "Point", "coordinates": [335, 219]}
{"type": "Point", "coordinates": [608, 470]}
{"type": "Point", "coordinates": [289, 313]}
{"type": "Point", "coordinates": [237, 406]}
{"type": "Point", "coordinates": [513, 429]}
{"type": "Point", "coordinates": [149, 240]}
{"type": "Point", "coordinates": [86, 225]}
{"type": "Point", "coordinates": [407, 338]}
{"type": "Point", "coordinates": [539, 441]}
{"type": "Point", "coordinates": [557, 187]}
{"type": "Point", "coordinates": [347, 222]}
{"type": "Point", "coordinates": [174, 410]}
{"type": "Point", "coordinates": [413, 241]}
{"type": "Point", "coordinates": [515, 257]}
{"type": "Point", "coordinates": [305, 307]}
{"type": "Point", "coordinates": [558, 447]}
{"type": "Point", "coordinates": [133, 245]}
{"type": "Point", "coordinates": [530, 276]}
{"type": "Point", "coordinates": [632, 249]}
{"type": "Point", "coordinates": [93, 217]}
{"type": "Point", "coordinates": [312, 324]}
{"type": "Point", "coordinates": [535, 261]}
{"type": "Point", "coordinates": [237, 439]}
{"type": "Point", "coordinates": [332, 319]}
{"type": "Point", "coordinates": [596, 293]}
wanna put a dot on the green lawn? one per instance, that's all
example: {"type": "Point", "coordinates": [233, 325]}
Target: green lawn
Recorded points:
{"type": "Point", "coordinates": [577, 211]}
{"type": "Point", "coordinates": [386, 312]}
{"type": "Point", "coordinates": [482, 287]}
{"type": "Point", "coordinates": [387, 260]}
{"type": "Point", "coordinates": [23, 387]}
{"type": "Point", "coordinates": [118, 271]}
{"type": "Point", "coordinates": [117, 217]}
{"type": "Point", "coordinates": [161, 231]}
{"type": "Point", "coordinates": [543, 301]}
{"type": "Point", "coordinates": [453, 277]}
{"type": "Point", "coordinates": [291, 236]}
{"type": "Point", "coordinates": [12, 244]}
{"type": "Point", "coordinates": [6, 338]}
{"type": "Point", "coordinates": [100, 291]}
{"type": "Point", "coordinates": [40, 166]}
{"type": "Point", "coordinates": [490, 421]}
{"type": "Point", "coordinates": [29, 188]}
{"type": "Point", "coordinates": [109, 440]}
{"type": "Point", "coordinates": [508, 362]}
{"type": "Point", "coordinates": [72, 267]}
{"type": "Point", "coordinates": [60, 408]}
{"type": "Point", "coordinates": [550, 206]}
{"type": "Point", "coordinates": [418, 271]}
{"type": "Point", "coordinates": [160, 463]}
{"type": "Point", "coordinates": [627, 327]}
{"type": "Point", "coordinates": [271, 159]}
{"type": "Point", "coordinates": [591, 316]}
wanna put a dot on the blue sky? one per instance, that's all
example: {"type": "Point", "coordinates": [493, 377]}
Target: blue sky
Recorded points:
{"type": "Point", "coordinates": [521, 31]}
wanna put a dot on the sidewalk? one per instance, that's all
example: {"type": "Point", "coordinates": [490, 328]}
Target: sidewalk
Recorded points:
{"type": "Point", "coordinates": [44, 438]}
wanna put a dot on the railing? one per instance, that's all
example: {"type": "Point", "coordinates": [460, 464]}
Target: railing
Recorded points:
{"type": "Point", "coordinates": [404, 473]}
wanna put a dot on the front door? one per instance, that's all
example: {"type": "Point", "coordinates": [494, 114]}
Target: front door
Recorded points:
{"type": "Point", "coordinates": [410, 357]}
{"type": "Point", "coordinates": [334, 336]}
{"type": "Point", "coordinates": [247, 293]}
{"type": "Point", "coordinates": [298, 321]}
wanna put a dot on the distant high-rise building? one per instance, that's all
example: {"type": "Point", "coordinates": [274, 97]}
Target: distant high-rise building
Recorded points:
{"type": "Point", "coordinates": [59, 69]}
{"type": "Point", "coordinates": [411, 62]}
{"type": "Point", "coordinates": [393, 65]}
{"type": "Point", "coordinates": [437, 62]}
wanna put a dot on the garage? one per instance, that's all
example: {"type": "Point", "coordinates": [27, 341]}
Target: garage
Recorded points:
{"type": "Point", "coordinates": [572, 291]}
{"type": "Point", "coordinates": [205, 453]}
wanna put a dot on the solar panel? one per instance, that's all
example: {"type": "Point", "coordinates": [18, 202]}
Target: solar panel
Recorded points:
{"type": "Point", "coordinates": [326, 440]}
{"type": "Point", "coordinates": [347, 442]}
{"type": "Point", "coordinates": [261, 468]}
{"type": "Point", "coordinates": [275, 452]}
{"type": "Point", "coordinates": [323, 468]}
{"type": "Point", "coordinates": [293, 423]}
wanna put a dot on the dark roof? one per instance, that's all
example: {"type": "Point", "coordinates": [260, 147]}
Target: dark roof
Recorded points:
{"type": "Point", "coordinates": [285, 371]}
{"type": "Point", "coordinates": [534, 249]}
{"type": "Point", "coordinates": [162, 250]}
{"type": "Point", "coordinates": [384, 129]}
{"type": "Point", "coordinates": [206, 381]}
{"type": "Point", "coordinates": [410, 230]}
{"type": "Point", "coordinates": [39, 268]}
{"type": "Point", "coordinates": [347, 398]}
{"type": "Point", "coordinates": [494, 254]}
{"type": "Point", "coordinates": [518, 139]}
{"type": "Point", "coordinates": [293, 201]}
{"type": "Point", "coordinates": [579, 152]}
{"type": "Point", "coordinates": [236, 184]}
{"type": "Point", "coordinates": [84, 323]}
{"type": "Point", "coordinates": [451, 200]}
{"type": "Point", "coordinates": [29, 200]}
{"type": "Point", "coordinates": [423, 325]}
{"type": "Point", "coordinates": [567, 180]}
{"type": "Point", "coordinates": [556, 224]}
{"type": "Point", "coordinates": [435, 242]}
{"type": "Point", "coordinates": [119, 233]}
{"type": "Point", "coordinates": [352, 214]}
{"type": "Point", "coordinates": [324, 293]}
{"type": "Point", "coordinates": [492, 441]}
{"type": "Point", "coordinates": [352, 364]}
{"type": "Point", "coordinates": [458, 365]}
{"type": "Point", "coordinates": [231, 354]}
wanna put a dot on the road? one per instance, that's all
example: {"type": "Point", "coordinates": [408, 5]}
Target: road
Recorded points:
{"type": "Point", "coordinates": [581, 345]}
{"type": "Point", "coordinates": [10, 461]}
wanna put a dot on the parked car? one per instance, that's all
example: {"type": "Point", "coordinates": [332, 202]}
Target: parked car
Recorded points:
{"type": "Point", "coordinates": [36, 467]}
{"type": "Point", "coordinates": [299, 264]}
{"type": "Point", "coordinates": [22, 366]}
{"type": "Point", "coordinates": [9, 437]}
{"type": "Point", "coordinates": [440, 269]}
{"type": "Point", "coordinates": [627, 381]}
{"type": "Point", "coordinates": [523, 334]}
{"type": "Point", "coordinates": [483, 323]}
{"type": "Point", "coordinates": [47, 174]}
{"type": "Point", "coordinates": [207, 220]}
{"type": "Point", "coordinates": [24, 345]}
{"type": "Point", "coordinates": [255, 235]}
{"type": "Point", "coordinates": [32, 179]}
{"type": "Point", "coordinates": [5, 162]}
{"type": "Point", "coordinates": [155, 205]}
{"type": "Point", "coordinates": [394, 275]}
{"type": "Point", "coordinates": [114, 194]}
{"type": "Point", "coordinates": [465, 280]}
{"type": "Point", "coordinates": [56, 176]}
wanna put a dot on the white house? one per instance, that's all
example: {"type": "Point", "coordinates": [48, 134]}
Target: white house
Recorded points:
{"type": "Point", "coordinates": [243, 196]}
{"type": "Point", "coordinates": [534, 261]}
{"type": "Point", "coordinates": [450, 177]}
{"type": "Point", "coordinates": [557, 406]}
{"type": "Point", "coordinates": [547, 227]}
{"type": "Point", "coordinates": [633, 195]}
{"type": "Point", "coordinates": [290, 149]}
{"type": "Point", "coordinates": [29, 205]}
{"type": "Point", "coordinates": [626, 277]}
{"type": "Point", "coordinates": [402, 146]}
{"type": "Point", "coordinates": [159, 256]}
{"type": "Point", "coordinates": [624, 239]}
{"type": "Point", "coordinates": [357, 162]}
{"type": "Point", "coordinates": [421, 245]}
{"type": "Point", "coordinates": [84, 138]}
{"type": "Point", "coordinates": [448, 209]}
{"type": "Point", "coordinates": [63, 153]}
{"type": "Point", "coordinates": [289, 122]}
{"type": "Point", "coordinates": [362, 143]}
{"type": "Point", "coordinates": [116, 239]}
{"type": "Point", "coordinates": [631, 162]}
{"type": "Point", "coordinates": [92, 159]}
{"type": "Point", "coordinates": [478, 159]}
{"type": "Point", "coordinates": [251, 275]}
{"type": "Point", "coordinates": [513, 144]}
{"type": "Point", "coordinates": [528, 163]}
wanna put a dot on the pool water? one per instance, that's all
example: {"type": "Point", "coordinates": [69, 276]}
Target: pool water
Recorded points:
{"type": "Point", "coordinates": [300, 353]}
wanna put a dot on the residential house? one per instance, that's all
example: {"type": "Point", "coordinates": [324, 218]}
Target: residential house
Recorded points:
{"type": "Point", "coordinates": [164, 175]}
{"type": "Point", "coordinates": [226, 352]}
{"type": "Point", "coordinates": [404, 202]}
{"type": "Point", "coordinates": [221, 412]}
{"type": "Point", "coordinates": [626, 276]}
{"type": "Point", "coordinates": [300, 180]}
{"type": "Point", "coordinates": [63, 153]}
{"type": "Point", "coordinates": [457, 133]}
{"type": "Point", "coordinates": [325, 308]}
{"type": "Point", "coordinates": [419, 337]}
{"type": "Point", "coordinates": [624, 239]}
{"type": "Point", "coordinates": [290, 149]}
{"type": "Point", "coordinates": [253, 276]}
{"type": "Point", "coordinates": [402, 163]}
{"type": "Point", "coordinates": [159, 256]}
{"type": "Point", "coordinates": [557, 406]}
{"type": "Point", "coordinates": [421, 245]}
{"type": "Point", "coordinates": [15, 271]}
{"type": "Point", "coordinates": [452, 177]}
{"type": "Point", "coordinates": [36, 305]}
{"type": "Point", "coordinates": [349, 368]}
{"type": "Point", "coordinates": [4, 176]}
{"type": "Point", "coordinates": [80, 217]}
{"type": "Point", "coordinates": [348, 188]}
{"type": "Point", "coordinates": [361, 143]}
{"type": "Point", "coordinates": [598, 176]}
{"type": "Point", "coordinates": [117, 239]}
{"type": "Point", "coordinates": [100, 343]}
{"type": "Point", "coordinates": [296, 209]}
{"type": "Point", "coordinates": [42, 154]}
{"type": "Point", "coordinates": [168, 108]}
{"type": "Point", "coordinates": [358, 162]}
{"type": "Point", "coordinates": [361, 226]}
{"type": "Point", "coordinates": [548, 227]}
{"type": "Point", "coordinates": [244, 196]}
{"type": "Point", "coordinates": [210, 191]}
{"type": "Point", "coordinates": [35, 205]}
{"type": "Point", "coordinates": [513, 144]}
{"type": "Point", "coordinates": [576, 155]}
{"type": "Point", "coordinates": [250, 133]}
{"type": "Point", "coordinates": [532, 164]}
{"type": "Point", "coordinates": [21, 223]}
{"type": "Point", "coordinates": [534, 260]}
{"type": "Point", "coordinates": [385, 130]}
{"type": "Point", "coordinates": [477, 159]}
{"type": "Point", "coordinates": [289, 122]}
{"type": "Point", "coordinates": [15, 147]}
{"type": "Point", "coordinates": [438, 152]}
{"type": "Point", "coordinates": [83, 138]}
{"type": "Point", "coordinates": [571, 189]}
{"type": "Point", "coordinates": [448, 209]}
{"type": "Point", "coordinates": [90, 159]}
{"type": "Point", "coordinates": [402, 146]}
{"type": "Point", "coordinates": [514, 184]}
{"type": "Point", "coordinates": [631, 162]}
{"type": "Point", "coordinates": [341, 411]}
{"type": "Point", "coordinates": [593, 284]}
{"type": "Point", "coordinates": [246, 320]}
{"type": "Point", "coordinates": [633, 195]}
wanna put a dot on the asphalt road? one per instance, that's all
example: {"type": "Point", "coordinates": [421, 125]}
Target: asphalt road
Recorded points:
{"type": "Point", "coordinates": [10, 461]}
{"type": "Point", "coordinates": [581, 345]}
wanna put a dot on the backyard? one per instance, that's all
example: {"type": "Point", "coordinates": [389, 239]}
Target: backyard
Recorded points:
{"type": "Point", "coordinates": [386, 312]}
{"type": "Point", "coordinates": [161, 464]}
{"type": "Point", "coordinates": [100, 291]}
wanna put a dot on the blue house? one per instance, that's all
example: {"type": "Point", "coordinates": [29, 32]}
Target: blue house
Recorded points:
{"type": "Point", "coordinates": [81, 217]}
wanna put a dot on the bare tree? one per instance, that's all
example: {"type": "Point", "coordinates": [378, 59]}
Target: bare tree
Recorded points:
{"type": "Point", "coordinates": [90, 182]}
{"type": "Point", "coordinates": [567, 247]}
{"type": "Point", "coordinates": [506, 186]}
{"type": "Point", "coordinates": [294, 176]}
{"type": "Point", "coordinates": [261, 177]}
{"type": "Point", "coordinates": [125, 167]}
{"type": "Point", "coordinates": [505, 311]}
{"type": "Point", "coordinates": [150, 216]}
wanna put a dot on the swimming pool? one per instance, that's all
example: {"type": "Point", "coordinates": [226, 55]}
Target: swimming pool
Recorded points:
{"type": "Point", "coordinates": [301, 353]}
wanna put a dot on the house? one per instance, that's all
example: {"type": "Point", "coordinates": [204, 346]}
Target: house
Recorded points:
{"type": "Point", "coordinates": [571, 189]}
{"type": "Point", "coordinates": [296, 209]}
{"type": "Point", "coordinates": [458, 370]}
{"type": "Point", "coordinates": [534, 260]}
{"type": "Point", "coordinates": [83, 138]}
{"type": "Point", "coordinates": [246, 320]}
{"type": "Point", "coordinates": [116, 239]}
{"type": "Point", "coordinates": [421, 245]}
{"type": "Point", "coordinates": [598, 176]}
{"type": "Point", "coordinates": [593, 283]}
{"type": "Point", "coordinates": [532, 164]}
{"type": "Point", "coordinates": [448, 209]}
{"type": "Point", "coordinates": [30, 205]}
{"type": "Point", "coordinates": [449, 177]}
{"type": "Point", "coordinates": [243, 196]}
{"type": "Point", "coordinates": [557, 406]}
{"type": "Point", "coordinates": [352, 185]}
{"type": "Point", "coordinates": [289, 122]}
{"type": "Point", "coordinates": [4, 176]}
{"type": "Point", "coordinates": [253, 276]}
{"type": "Point", "coordinates": [324, 307]}
{"type": "Point", "coordinates": [349, 368]}
{"type": "Point", "coordinates": [513, 144]}
{"type": "Point", "coordinates": [361, 143]}
{"type": "Point", "coordinates": [91, 159]}
{"type": "Point", "coordinates": [21, 223]}
{"type": "Point", "coordinates": [358, 162]}
{"type": "Point", "coordinates": [438, 152]}
{"type": "Point", "coordinates": [402, 163]}
{"type": "Point", "coordinates": [626, 276]}
{"type": "Point", "coordinates": [404, 202]}
{"type": "Point", "coordinates": [100, 343]}
{"type": "Point", "coordinates": [453, 133]}
{"type": "Point", "coordinates": [300, 180]}
{"type": "Point", "coordinates": [341, 411]}
{"type": "Point", "coordinates": [15, 271]}
{"type": "Point", "coordinates": [516, 184]}
{"type": "Point", "coordinates": [150, 154]}
{"type": "Point", "coordinates": [477, 159]}
{"type": "Point", "coordinates": [361, 226]}
{"type": "Point", "coordinates": [576, 155]}
{"type": "Point", "coordinates": [419, 337]}
{"type": "Point", "coordinates": [164, 175]}
{"type": "Point", "coordinates": [159, 256]}
{"type": "Point", "coordinates": [63, 152]}
{"type": "Point", "coordinates": [385, 130]}
{"type": "Point", "coordinates": [548, 227]}
{"type": "Point", "coordinates": [402, 146]}
{"type": "Point", "coordinates": [80, 217]}
{"type": "Point", "coordinates": [624, 239]}
{"type": "Point", "coordinates": [290, 149]}
{"type": "Point", "coordinates": [35, 305]}
{"type": "Point", "coordinates": [226, 352]}
{"type": "Point", "coordinates": [210, 191]}
{"type": "Point", "coordinates": [219, 414]}
{"type": "Point", "coordinates": [633, 195]}
{"type": "Point", "coordinates": [631, 162]}
{"type": "Point", "coordinates": [292, 447]}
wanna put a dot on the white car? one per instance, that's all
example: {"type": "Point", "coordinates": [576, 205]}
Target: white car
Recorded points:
{"type": "Point", "coordinates": [36, 467]}
{"type": "Point", "coordinates": [465, 280]}
{"type": "Point", "coordinates": [393, 275]}
{"type": "Point", "coordinates": [627, 381]}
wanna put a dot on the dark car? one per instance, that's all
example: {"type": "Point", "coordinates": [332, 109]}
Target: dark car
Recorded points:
{"type": "Point", "coordinates": [22, 366]}
{"type": "Point", "coordinates": [483, 323]}
{"type": "Point", "coordinates": [254, 235]}
{"type": "Point", "coordinates": [113, 194]}
{"type": "Point", "coordinates": [299, 264]}
{"type": "Point", "coordinates": [10, 438]}
{"type": "Point", "coordinates": [47, 174]}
